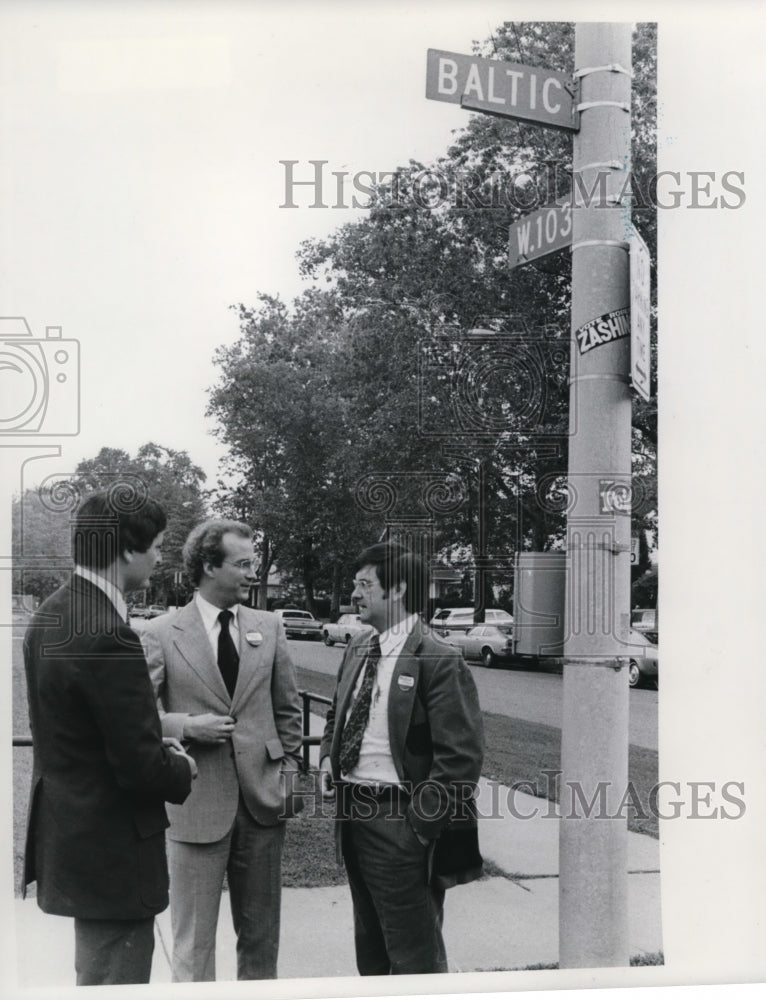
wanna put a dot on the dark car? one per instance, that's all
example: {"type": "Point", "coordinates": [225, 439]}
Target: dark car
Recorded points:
{"type": "Point", "coordinates": [299, 624]}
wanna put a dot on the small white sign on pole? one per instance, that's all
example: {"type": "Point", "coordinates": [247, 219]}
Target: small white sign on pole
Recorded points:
{"type": "Point", "coordinates": [640, 315]}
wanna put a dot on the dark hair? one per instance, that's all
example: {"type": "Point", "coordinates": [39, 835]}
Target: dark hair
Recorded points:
{"type": "Point", "coordinates": [111, 523]}
{"type": "Point", "coordinates": [205, 545]}
{"type": "Point", "coordinates": [394, 564]}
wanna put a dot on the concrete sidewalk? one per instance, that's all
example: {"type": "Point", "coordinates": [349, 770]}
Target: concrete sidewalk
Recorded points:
{"type": "Point", "coordinates": [496, 923]}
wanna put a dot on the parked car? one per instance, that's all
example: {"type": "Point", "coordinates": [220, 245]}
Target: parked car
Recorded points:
{"type": "Point", "coordinates": [644, 619]}
{"type": "Point", "coordinates": [643, 652]}
{"type": "Point", "coordinates": [139, 611]}
{"type": "Point", "coordinates": [461, 619]}
{"type": "Point", "coordinates": [488, 643]}
{"type": "Point", "coordinates": [344, 629]}
{"type": "Point", "coordinates": [139, 615]}
{"type": "Point", "coordinates": [299, 624]}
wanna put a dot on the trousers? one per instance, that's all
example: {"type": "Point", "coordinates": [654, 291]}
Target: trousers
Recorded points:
{"type": "Point", "coordinates": [113, 952]}
{"type": "Point", "coordinates": [251, 857]}
{"type": "Point", "coordinates": [398, 916]}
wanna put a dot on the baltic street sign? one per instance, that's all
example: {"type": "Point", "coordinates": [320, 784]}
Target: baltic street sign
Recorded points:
{"type": "Point", "coordinates": [540, 233]}
{"type": "Point", "coordinates": [640, 309]}
{"type": "Point", "coordinates": [512, 90]}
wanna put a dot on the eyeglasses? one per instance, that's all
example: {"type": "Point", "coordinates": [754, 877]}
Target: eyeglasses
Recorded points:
{"type": "Point", "coordinates": [245, 565]}
{"type": "Point", "coordinates": [364, 584]}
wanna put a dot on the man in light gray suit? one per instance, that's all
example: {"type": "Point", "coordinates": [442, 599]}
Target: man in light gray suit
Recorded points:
{"type": "Point", "coordinates": [226, 688]}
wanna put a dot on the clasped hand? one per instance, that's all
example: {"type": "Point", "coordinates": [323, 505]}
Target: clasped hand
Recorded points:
{"type": "Point", "coordinates": [209, 728]}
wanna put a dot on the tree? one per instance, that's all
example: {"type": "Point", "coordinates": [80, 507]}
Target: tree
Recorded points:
{"type": "Point", "coordinates": [168, 476]}
{"type": "Point", "coordinates": [379, 373]}
{"type": "Point", "coordinates": [429, 261]}
{"type": "Point", "coordinates": [288, 431]}
{"type": "Point", "coordinates": [41, 527]}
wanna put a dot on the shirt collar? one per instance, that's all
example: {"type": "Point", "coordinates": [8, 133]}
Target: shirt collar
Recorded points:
{"type": "Point", "coordinates": [111, 591]}
{"type": "Point", "coordinates": [210, 612]}
{"type": "Point", "coordinates": [392, 640]}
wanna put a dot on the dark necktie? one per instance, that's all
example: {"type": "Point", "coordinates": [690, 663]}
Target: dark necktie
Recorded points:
{"type": "Point", "coordinates": [228, 657]}
{"type": "Point", "coordinates": [353, 731]}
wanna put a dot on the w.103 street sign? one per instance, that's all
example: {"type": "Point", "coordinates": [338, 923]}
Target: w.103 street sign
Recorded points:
{"type": "Point", "coordinates": [540, 233]}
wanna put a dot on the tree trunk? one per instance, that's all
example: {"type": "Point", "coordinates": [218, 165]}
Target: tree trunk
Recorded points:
{"type": "Point", "coordinates": [337, 580]}
{"type": "Point", "coordinates": [308, 574]}
{"type": "Point", "coordinates": [263, 575]}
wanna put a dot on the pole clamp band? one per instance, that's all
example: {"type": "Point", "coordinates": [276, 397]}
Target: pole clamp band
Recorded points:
{"type": "Point", "coordinates": [587, 105]}
{"type": "Point", "coordinates": [610, 164]}
{"type": "Point", "coordinates": [609, 68]}
{"type": "Point", "coordinates": [600, 243]}
{"type": "Point", "coordinates": [615, 663]}
{"type": "Point", "coordinates": [605, 377]}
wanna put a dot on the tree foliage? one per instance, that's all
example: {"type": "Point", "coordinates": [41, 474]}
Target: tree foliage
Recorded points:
{"type": "Point", "coordinates": [43, 517]}
{"type": "Point", "coordinates": [378, 378]}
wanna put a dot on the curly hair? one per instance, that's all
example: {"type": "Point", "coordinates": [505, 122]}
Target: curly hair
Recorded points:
{"type": "Point", "coordinates": [205, 545]}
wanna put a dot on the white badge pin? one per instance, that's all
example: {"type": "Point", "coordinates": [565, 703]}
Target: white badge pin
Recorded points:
{"type": "Point", "coordinates": [254, 638]}
{"type": "Point", "coordinates": [405, 682]}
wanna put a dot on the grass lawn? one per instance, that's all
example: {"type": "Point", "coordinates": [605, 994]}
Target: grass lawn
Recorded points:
{"type": "Point", "coordinates": [520, 751]}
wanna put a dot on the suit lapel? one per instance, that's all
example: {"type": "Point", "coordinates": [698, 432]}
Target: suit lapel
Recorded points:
{"type": "Point", "coordinates": [402, 694]}
{"type": "Point", "coordinates": [250, 656]}
{"type": "Point", "coordinates": [193, 646]}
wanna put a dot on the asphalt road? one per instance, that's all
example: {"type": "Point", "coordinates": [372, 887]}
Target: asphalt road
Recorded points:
{"type": "Point", "coordinates": [522, 694]}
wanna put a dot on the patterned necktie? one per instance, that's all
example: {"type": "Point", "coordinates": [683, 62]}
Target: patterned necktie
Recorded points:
{"type": "Point", "coordinates": [228, 658]}
{"type": "Point", "coordinates": [353, 731]}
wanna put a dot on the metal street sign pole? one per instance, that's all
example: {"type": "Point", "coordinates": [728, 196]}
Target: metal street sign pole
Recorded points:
{"type": "Point", "coordinates": [593, 881]}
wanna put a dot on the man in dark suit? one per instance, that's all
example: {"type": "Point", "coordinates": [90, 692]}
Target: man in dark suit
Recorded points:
{"type": "Point", "coordinates": [102, 773]}
{"type": "Point", "coordinates": [403, 746]}
{"type": "Point", "coordinates": [227, 686]}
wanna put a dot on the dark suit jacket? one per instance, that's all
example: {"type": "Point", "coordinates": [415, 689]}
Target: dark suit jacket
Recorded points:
{"type": "Point", "coordinates": [95, 834]}
{"type": "Point", "coordinates": [434, 727]}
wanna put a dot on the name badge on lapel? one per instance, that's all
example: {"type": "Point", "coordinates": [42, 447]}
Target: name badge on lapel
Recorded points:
{"type": "Point", "coordinates": [254, 638]}
{"type": "Point", "coordinates": [405, 682]}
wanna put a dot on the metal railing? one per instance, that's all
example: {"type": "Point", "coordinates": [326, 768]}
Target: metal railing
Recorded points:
{"type": "Point", "coordinates": [307, 740]}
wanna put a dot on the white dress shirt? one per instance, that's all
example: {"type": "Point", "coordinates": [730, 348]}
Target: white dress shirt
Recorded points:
{"type": "Point", "coordinates": [210, 613]}
{"type": "Point", "coordinates": [376, 765]}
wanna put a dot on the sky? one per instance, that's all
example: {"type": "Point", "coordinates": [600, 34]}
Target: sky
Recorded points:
{"type": "Point", "coordinates": [142, 182]}
{"type": "Point", "coordinates": [140, 187]}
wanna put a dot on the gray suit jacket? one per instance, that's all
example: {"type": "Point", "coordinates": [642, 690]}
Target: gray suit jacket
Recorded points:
{"type": "Point", "coordinates": [261, 760]}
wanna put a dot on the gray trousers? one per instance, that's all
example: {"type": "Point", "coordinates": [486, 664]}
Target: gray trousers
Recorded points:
{"type": "Point", "coordinates": [251, 857]}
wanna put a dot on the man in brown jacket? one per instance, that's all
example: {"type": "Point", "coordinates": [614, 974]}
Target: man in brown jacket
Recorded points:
{"type": "Point", "coordinates": [403, 746]}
